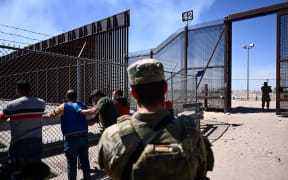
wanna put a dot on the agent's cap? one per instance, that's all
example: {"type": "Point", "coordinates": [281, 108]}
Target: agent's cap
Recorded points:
{"type": "Point", "coordinates": [95, 92]}
{"type": "Point", "coordinates": [265, 83]}
{"type": "Point", "coordinates": [145, 71]}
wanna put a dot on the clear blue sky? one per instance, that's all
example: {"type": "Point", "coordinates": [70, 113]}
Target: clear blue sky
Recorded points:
{"type": "Point", "coordinates": [152, 21]}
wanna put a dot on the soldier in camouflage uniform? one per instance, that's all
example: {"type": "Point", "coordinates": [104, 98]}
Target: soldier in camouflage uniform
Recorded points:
{"type": "Point", "coordinates": [151, 128]}
{"type": "Point", "coordinates": [265, 95]}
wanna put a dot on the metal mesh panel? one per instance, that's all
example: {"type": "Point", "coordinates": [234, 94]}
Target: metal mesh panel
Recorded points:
{"type": "Point", "coordinates": [205, 52]}
{"type": "Point", "coordinates": [176, 85]}
{"type": "Point", "coordinates": [283, 64]}
{"type": "Point", "coordinates": [284, 37]}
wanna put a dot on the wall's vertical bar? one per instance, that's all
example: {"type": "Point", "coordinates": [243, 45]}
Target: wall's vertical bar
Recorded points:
{"type": "Point", "coordinates": [227, 65]}
{"type": "Point", "coordinates": [185, 55]}
{"type": "Point", "coordinates": [278, 64]}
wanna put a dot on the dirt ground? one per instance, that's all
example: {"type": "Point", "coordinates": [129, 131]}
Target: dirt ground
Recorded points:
{"type": "Point", "coordinates": [248, 143]}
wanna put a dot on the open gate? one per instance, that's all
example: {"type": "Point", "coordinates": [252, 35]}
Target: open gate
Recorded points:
{"type": "Point", "coordinates": [282, 53]}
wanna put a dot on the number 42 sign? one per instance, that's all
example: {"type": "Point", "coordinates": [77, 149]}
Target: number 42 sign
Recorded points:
{"type": "Point", "coordinates": [187, 16]}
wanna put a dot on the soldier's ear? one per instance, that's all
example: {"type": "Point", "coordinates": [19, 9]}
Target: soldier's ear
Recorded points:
{"type": "Point", "coordinates": [165, 88]}
{"type": "Point", "coordinates": [133, 93]}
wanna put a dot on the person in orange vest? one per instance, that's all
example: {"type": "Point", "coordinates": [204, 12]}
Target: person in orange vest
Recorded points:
{"type": "Point", "coordinates": [121, 102]}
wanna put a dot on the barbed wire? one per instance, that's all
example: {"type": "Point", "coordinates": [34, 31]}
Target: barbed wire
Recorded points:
{"type": "Point", "coordinates": [34, 40]}
{"type": "Point", "coordinates": [18, 35]}
{"type": "Point", "coordinates": [12, 27]}
{"type": "Point", "coordinates": [14, 41]}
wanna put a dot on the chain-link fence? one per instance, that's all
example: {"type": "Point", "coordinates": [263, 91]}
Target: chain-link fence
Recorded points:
{"type": "Point", "coordinates": [93, 56]}
{"type": "Point", "coordinates": [50, 76]}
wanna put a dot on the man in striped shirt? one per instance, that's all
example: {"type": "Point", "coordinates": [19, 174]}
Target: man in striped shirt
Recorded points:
{"type": "Point", "coordinates": [25, 115]}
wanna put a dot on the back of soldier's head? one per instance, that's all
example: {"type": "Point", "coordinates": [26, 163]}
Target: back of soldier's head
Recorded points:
{"type": "Point", "coordinates": [146, 78]}
{"type": "Point", "coordinates": [145, 71]}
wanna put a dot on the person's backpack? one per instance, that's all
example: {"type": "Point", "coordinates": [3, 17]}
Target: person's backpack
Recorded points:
{"type": "Point", "coordinates": [179, 158]}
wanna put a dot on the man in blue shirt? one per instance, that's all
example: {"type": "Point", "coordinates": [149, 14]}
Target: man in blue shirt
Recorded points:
{"type": "Point", "coordinates": [74, 128]}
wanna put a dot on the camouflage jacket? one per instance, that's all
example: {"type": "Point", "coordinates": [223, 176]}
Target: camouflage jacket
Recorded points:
{"type": "Point", "coordinates": [116, 146]}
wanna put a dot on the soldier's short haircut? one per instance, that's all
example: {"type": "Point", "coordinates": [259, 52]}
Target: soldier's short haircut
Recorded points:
{"type": "Point", "coordinates": [150, 93]}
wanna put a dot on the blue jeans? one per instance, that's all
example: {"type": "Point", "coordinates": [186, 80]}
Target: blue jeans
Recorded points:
{"type": "Point", "coordinates": [77, 146]}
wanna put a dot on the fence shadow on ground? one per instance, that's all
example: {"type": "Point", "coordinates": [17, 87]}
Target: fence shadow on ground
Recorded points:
{"type": "Point", "coordinates": [244, 109]}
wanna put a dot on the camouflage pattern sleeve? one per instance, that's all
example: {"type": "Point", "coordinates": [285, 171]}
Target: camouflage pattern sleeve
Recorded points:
{"type": "Point", "coordinates": [116, 145]}
{"type": "Point", "coordinates": [111, 155]}
{"type": "Point", "coordinates": [207, 159]}
{"type": "Point", "coordinates": [202, 157]}
{"type": "Point", "coordinates": [209, 154]}
{"type": "Point", "coordinates": [58, 111]}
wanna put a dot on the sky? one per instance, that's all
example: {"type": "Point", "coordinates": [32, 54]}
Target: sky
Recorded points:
{"type": "Point", "coordinates": [151, 22]}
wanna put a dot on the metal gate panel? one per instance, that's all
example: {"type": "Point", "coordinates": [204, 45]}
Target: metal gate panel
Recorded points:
{"type": "Point", "coordinates": [191, 50]}
{"type": "Point", "coordinates": [282, 64]}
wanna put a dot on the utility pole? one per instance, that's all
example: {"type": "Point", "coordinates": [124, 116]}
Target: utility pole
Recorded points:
{"type": "Point", "coordinates": [248, 47]}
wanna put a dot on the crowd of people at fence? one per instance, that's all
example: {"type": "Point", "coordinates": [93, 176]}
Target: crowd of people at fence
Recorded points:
{"type": "Point", "coordinates": [151, 143]}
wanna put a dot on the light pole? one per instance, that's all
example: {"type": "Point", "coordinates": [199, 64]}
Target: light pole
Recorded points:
{"type": "Point", "coordinates": [251, 45]}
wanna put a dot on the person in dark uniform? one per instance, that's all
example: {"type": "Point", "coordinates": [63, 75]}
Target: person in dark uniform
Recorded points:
{"type": "Point", "coordinates": [103, 111]}
{"type": "Point", "coordinates": [265, 89]}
